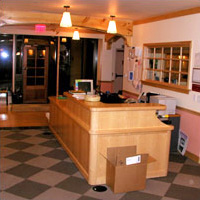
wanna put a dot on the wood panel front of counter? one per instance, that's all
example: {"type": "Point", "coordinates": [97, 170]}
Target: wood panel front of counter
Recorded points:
{"type": "Point", "coordinates": [87, 129]}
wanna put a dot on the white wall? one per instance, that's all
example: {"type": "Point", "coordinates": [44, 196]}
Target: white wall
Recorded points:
{"type": "Point", "coordinates": [108, 60]}
{"type": "Point", "coordinates": [106, 63]}
{"type": "Point", "coordinates": [186, 28]}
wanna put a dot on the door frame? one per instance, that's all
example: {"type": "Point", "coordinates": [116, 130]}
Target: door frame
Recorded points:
{"type": "Point", "coordinates": [118, 76]}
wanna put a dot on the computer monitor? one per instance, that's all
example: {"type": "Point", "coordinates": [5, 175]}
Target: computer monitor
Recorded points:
{"type": "Point", "coordinates": [84, 84]}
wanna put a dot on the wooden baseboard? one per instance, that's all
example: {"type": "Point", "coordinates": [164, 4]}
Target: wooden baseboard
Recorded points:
{"type": "Point", "coordinates": [130, 93]}
{"type": "Point", "coordinates": [30, 107]}
{"type": "Point", "coordinates": [106, 81]}
{"type": "Point", "coordinates": [193, 157]}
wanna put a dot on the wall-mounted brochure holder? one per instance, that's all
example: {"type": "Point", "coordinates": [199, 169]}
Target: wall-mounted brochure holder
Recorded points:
{"type": "Point", "coordinates": [182, 143]}
{"type": "Point", "coordinates": [196, 80]}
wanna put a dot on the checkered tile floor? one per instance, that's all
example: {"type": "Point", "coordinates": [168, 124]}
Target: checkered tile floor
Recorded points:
{"type": "Point", "coordinates": [34, 166]}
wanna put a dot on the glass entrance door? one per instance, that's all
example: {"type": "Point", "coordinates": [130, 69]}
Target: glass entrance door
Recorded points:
{"type": "Point", "coordinates": [35, 74]}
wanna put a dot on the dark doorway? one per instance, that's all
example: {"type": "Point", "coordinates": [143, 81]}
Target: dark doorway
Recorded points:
{"type": "Point", "coordinates": [78, 60]}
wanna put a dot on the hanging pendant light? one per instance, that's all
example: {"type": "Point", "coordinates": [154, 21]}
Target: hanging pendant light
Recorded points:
{"type": "Point", "coordinates": [112, 25]}
{"type": "Point", "coordinates": [76, 35]}
{"type": "Point", "coordinates": [66, 18]}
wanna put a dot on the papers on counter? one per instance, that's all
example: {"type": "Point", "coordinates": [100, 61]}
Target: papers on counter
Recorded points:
{"type": "Point", "coordinates": [79, 96]}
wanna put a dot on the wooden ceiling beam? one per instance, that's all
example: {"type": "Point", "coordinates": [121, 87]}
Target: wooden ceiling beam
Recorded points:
{"type": "Point", "coordinates": [123, 27]}
{"type": "Point", "coordinates": [168, 16]}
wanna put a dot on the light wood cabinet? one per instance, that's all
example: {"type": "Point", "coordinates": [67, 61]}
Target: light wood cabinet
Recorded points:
{"type": "Point", "coordinates": [87, 129]}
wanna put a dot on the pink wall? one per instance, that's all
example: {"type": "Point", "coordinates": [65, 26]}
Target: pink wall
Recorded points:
{"type": "Point", "coordinates": [106, 86]}
{"type": "Point", "coordinates": [190, 125]}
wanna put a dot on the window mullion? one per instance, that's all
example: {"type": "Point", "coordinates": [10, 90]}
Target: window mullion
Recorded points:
{"type": "Point", "coordinates": [161, 67]}
{"type": "Point", "coordinates": [170, 64]}
{"type": "Point", "coordinates": [154, 62]}
{"type": "Point", "coordinates": [180, 65]}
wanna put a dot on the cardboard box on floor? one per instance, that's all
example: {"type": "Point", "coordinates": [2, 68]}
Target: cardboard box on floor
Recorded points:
{"type": "Point", "coordinates": [121, 177]}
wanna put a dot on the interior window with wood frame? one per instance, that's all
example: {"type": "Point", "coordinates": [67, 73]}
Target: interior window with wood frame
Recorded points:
{"type": "Point", "coordinates": [166, 65]}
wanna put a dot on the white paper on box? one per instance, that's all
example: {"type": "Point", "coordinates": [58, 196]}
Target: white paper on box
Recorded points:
{"type": "Point", "coordinates": [133, 160]}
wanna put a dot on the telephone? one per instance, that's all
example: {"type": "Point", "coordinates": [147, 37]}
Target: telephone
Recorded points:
{"type": "Point", "coordinates": [130, 100]}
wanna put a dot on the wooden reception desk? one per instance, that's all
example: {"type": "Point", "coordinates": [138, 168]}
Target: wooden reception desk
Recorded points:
{"type": "Point", "coordinates": [87, 129]}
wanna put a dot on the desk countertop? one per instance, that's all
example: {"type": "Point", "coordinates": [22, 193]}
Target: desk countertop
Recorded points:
{"type": "Point", "coordinates": [99, 106]}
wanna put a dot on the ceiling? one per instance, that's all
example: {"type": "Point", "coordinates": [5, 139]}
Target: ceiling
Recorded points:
{"type": "Point", "coordinates": [16, 12]}
{"type": "Point", "coordinates": [123, 9]}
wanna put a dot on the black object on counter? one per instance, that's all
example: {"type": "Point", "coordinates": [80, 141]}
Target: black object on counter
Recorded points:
{"type": "Point", "coordinates": [111, 98]}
